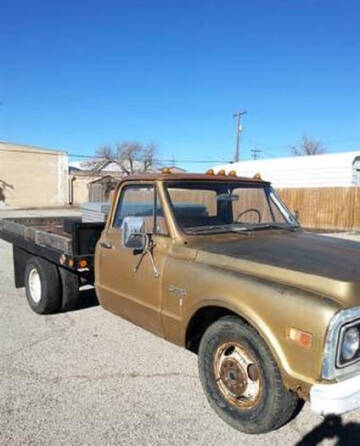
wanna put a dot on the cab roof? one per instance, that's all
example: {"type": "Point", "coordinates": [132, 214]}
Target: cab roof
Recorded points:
{"type": "Point", "coordinates": [192, 177]}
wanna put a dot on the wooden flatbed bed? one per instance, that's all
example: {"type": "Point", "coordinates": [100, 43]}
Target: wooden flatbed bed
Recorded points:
{"type": "Point", "coordinates": [65, 242]}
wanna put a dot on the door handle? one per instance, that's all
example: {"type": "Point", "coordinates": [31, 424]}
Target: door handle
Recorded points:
{"type": "Point", "coordinates": [106, 245]}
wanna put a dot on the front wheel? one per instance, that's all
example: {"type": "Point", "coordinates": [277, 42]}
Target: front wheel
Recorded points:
{"type": "Point", "coordinates": [241, 379]}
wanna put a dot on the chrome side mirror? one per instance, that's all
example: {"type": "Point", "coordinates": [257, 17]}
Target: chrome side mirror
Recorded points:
{"type": "Point", "coordinates": [133, 233]}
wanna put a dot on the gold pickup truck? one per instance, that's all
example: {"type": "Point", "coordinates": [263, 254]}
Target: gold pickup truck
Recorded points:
{"type": "Point", "coordinates": [218, 264]}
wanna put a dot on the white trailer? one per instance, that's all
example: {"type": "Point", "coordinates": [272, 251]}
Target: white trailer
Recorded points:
{"type": "Point", "coordinates": [327, 170]}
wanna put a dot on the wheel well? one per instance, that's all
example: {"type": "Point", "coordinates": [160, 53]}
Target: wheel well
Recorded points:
{"type": "Point", "coordinates": [200, 321]}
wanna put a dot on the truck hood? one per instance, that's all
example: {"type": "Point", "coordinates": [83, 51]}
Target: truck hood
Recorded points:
{"type": "Point", "coordinates": [326, 265]}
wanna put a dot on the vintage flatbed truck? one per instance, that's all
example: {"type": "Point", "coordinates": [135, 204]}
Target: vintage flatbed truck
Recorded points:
{"type": "Point", "coordinates": [216, 264]}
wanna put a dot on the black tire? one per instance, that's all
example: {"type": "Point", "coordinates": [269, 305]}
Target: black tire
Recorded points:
{"type": "Point", "coordinates": [271, 406]}
{"type": "Point", "coordinates": [70, 289]}
{"type": "Point", "coordinates": [48, 298]}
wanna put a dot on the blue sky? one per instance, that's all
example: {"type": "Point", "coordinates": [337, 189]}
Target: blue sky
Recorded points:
{"type": "Point", "coordinates": [77, 74]}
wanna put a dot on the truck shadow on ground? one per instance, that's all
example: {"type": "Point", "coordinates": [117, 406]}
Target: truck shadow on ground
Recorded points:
{"type": "Point", "coordinates": [333, 428]}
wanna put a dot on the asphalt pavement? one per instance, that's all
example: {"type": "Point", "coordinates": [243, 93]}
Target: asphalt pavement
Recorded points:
{"type": "Point", "coordinates": [88, 377]}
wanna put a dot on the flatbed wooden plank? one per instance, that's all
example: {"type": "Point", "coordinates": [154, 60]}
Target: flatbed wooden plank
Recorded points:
{"type": "Point", "coordinates": [41, 231]}
{"type": "Point", "coordinates": [55, 241]}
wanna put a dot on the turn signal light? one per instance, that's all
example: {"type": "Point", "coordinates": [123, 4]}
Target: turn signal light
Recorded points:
{"type": "Point", "coordinates": [299, 337]}
{"type": "Point", "coordinates": [71, 263]}
{"type": "Point", "coordinates": [83, 263]}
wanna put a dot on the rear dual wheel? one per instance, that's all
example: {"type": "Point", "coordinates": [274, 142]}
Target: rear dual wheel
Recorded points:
{"type": "Point", "coordinates": [50, 289]}
{"type": "Point", "coordinates": [241, 379]}
{"type": "Point", "coordinates": [42, 284]}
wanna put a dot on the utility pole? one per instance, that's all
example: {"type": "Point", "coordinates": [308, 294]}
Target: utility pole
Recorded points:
{"type": "Point", "coordinates": [254, 153]}
{"type": "Point", "coordinates": [237, 116]}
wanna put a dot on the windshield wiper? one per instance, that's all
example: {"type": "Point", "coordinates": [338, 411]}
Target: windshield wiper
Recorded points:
{"type": "Point", "coordinates": [203, 229]}
{"type": "Point", "coordinates": [213, 229]}
{"type": "Point", "coordinates": [273, 226]}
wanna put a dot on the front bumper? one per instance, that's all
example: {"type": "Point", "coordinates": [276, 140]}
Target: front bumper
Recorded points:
{"type": "Point", "coordinates": [338, 398]}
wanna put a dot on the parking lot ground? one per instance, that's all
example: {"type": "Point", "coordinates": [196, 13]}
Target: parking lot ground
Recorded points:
{"type": "Point", "coordinates": [88, 377]}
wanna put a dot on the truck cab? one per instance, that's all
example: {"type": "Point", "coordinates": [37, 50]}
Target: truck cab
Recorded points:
{"type": "Point", "coordinates": [147, 285]}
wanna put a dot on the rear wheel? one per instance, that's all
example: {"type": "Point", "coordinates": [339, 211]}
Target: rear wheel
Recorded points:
{"type": "Point", "coordinates": [42, 286]}
{"type": "Point", "coordinates": [241, 379]}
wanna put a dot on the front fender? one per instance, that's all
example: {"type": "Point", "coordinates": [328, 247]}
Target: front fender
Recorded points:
{"type": "Point", "coordinates": [269, 307]}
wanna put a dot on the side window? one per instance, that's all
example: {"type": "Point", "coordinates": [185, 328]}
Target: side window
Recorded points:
{"type": "Point", "coordinates": [135, 201]}
{"type": "Point", "coordinates": [138, 201]}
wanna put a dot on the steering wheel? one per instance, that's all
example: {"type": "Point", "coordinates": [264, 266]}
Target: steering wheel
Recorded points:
{"type": "Point", "coordinates": [249, 210]}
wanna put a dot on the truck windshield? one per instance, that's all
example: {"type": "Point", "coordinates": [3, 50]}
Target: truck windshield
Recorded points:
{"type": "Point", "coordinates": [220, 206]}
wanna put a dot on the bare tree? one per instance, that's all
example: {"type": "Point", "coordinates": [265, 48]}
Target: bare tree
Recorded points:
{"type": "Point", "coordinates": [307, 147]}
{"type": "Point", "coordinates": [149, 156]}
{"type": "Point", "coordinates": [104, 156]}
{"type": "Point", "coordinates": [128, 157]}
{"type": "Point", "coordinates": [131, 156]}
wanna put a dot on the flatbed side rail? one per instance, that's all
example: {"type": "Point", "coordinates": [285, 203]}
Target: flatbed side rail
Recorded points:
{"type": "Point", "coordinates": [72, 250]}
{"type": "Point", "coordinates": [17, 240]}
{"type": "Point", "coordinates": [23, 229]}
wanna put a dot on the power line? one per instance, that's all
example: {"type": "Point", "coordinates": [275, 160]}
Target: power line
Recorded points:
{"type": "Point", "coordinates": [270, 155]}
{"type": "Point", "coordinates": [170, 160]}
{"type": "Point", "coordinates": [254, 153]}
{"type": "Point", "coordinates": [76, 155]}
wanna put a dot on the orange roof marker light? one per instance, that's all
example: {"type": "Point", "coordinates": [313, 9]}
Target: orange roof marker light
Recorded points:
{"type": "Point", "coordinates": [166, 170]}
{"type": "Point", "coordinates": [232, 173]}
{"type": "Point", "coordinates": [257, 176]}
{"type": "Point", "coordinates": [221, 172]}
{"type": "Point", "coordinates": [210, 172]}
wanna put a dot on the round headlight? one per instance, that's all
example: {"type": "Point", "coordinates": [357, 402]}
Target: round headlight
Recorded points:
{"type": "Point", "coordinates": [351, 343]}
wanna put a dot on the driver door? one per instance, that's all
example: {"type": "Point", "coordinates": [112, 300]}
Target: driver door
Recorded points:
{"type": "Point", "coordinates": [136, 296]}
